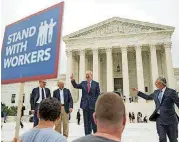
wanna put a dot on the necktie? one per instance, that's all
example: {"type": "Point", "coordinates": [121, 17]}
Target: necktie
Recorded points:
{"type": "Point", "coordinates": [88, 87]}
{"type": "Point", "coordinates": [43, 95]}
{"type": "Point", "coordinates": [160, 96]}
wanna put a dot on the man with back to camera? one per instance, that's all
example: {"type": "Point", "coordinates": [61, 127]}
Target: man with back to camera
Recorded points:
{"type": "Point", "coordinates": [164, 113]}
{"type": "Point", "coordinates": [90, 93]}
{"type": "Point", "coordinates": [38, 94]}
{"type": "Point", "coordinates": [110, 124]}
{"type": "Point", "coordinates": [49, 112]}
{"type": "Point", "coordinates": [63, 95]}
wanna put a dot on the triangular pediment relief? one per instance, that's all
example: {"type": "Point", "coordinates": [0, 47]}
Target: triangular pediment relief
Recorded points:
{"type": "Point", "coordinates": [117, 26]}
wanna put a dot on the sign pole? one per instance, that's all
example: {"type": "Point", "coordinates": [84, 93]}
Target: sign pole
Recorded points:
{"type": "Point", "coordinates": [20, 103]}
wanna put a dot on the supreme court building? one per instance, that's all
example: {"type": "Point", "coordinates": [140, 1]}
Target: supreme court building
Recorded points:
{"type": "Point", "coordinates": [122, 54]}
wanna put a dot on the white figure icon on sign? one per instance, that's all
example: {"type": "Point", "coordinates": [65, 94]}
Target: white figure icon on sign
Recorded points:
{"type": "Point", "coordinates": [45, 32]}
{"type": "Point", "coordinates": [39, 38]}
{"type": "Point", "coordinates": [50, 32]}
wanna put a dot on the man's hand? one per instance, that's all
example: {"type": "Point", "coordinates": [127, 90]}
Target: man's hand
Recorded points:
{"type": "Point", "coordinates": [135, 90]}
{"type": "Point", "coordinates": [72, 77]}
{"type": "Point", "coordinates": [70, 110]}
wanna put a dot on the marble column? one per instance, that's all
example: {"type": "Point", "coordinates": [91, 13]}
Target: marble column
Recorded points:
{"type": "Point", "coordinates": [95, 65]}
{"type": "Point", "coordinates": [109, 74]}
{"type": "Point", "coordinates": [69, 68]}
{"type": "Point", "coordinates": [169, 65]}
{"type": "Point", "coordinates": [82, 65]}
{"type": "Point", "coordinates": [139, 65]}
{"type": "Point", "coordinates": [154, 65]}
{"type": "Point", "coordinates": [75, 92]}
{"type": "Point", "coordinates": [125, 72]}
{"type": "Point", "coordinates": [81, 72]}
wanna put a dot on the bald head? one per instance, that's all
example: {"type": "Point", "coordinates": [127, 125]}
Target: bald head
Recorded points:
{"type": "Point", "coordinates": [60, 84]}
{"type": "Point", "coordinates": [110, 109]}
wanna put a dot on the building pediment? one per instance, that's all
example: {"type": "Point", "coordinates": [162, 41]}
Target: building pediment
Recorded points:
{"type": "Point", "coordinates": [117, 26]}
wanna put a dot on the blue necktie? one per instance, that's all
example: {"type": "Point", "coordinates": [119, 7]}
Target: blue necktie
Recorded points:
{"type": "Point", "coordinates": [160, 96]}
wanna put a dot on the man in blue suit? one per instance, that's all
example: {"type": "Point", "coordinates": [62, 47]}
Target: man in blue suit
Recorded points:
{"type": "Point", "coordinates": [164, 114]}
{"type": "Point", "coordinates": [90, 93]}
{"type": "Point", "coordinates": [38, 94]}
{"type": "Point", "coordinates": [63, 95]}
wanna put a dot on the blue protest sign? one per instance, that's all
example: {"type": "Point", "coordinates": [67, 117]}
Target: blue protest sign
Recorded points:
{"type": "Point", "coordinates": [31, 46]}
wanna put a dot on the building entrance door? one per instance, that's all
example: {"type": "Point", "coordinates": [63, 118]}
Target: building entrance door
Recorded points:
{"type": "Point", "coordinates": [118, 85]}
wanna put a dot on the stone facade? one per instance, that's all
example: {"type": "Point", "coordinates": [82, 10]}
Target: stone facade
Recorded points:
{"type": "Point", "coordinates": [176, 73]}
{"type": "Point", "coordinates": [122, 54]}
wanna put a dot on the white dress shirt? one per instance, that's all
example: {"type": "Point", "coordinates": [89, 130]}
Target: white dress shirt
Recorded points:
{"type": "Point", "coordinates": [40, 94]}
{"type": "Point", "coordinates": [61, 96]}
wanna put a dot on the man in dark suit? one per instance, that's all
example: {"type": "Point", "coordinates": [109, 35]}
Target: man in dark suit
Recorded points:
{"type": "Point", "coordinates": [64, 96]}
{"type": "Point", "coordinates": [90, 93]}
{"type": "Point", "coordinates": [38, 94]}
{"type": "Point", "coordinates": [164, 114]}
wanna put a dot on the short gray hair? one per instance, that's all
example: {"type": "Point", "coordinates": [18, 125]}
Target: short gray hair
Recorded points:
{"type": "Point", "coordinates": [60, 81]}
{"type": "Point", "coordinates": [162, 80]}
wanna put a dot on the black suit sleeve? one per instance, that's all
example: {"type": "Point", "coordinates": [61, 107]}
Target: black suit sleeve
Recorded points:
{"type": "Point", "coordinates": [32, 99]}
{"type": "Point", "coordinates": [75, 85]}
{"type": "Point", "coordinates": [70, 99]}
{"type": "Point", "coordinates": [175, 98]}
{"type": "Point", "coordinates": [145, 96]}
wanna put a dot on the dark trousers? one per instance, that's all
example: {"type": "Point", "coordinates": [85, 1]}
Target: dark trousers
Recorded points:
{"type": "Point", "coordinates": [35, 118]}
{"type": "Point", "coordinates": [89, 122]}
{"type": "Point", "coordinates": [167, 130]}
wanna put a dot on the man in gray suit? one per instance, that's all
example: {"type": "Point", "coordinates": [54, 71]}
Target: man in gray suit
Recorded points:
{"type": "Point", "coordinates": [164, 114]}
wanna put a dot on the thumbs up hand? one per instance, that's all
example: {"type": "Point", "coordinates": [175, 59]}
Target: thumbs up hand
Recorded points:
{"type": "Point", "coordinates": [72, 77]}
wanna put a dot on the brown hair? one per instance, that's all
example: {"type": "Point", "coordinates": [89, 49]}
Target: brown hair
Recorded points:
{"type": "Point", "coordinates": [110, 108]}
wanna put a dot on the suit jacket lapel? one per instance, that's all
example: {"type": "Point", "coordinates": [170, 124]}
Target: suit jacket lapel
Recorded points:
{"type": "Point", "coordinates": [38, 91]}
{"type": "Point", "coordinates": [64, 96]}
{"type": "Point", "coordinates": [165, 93]}
{"type": "Point", "coordinates": [86, 86]}
{"type": "Point", "coordinates": [92, 83]}
{"type": "Point", "coordinates": [58, 94]}
{"type": "Point", "coordinates": [158, 92]}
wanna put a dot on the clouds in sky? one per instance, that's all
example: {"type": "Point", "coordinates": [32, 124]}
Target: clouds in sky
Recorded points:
{"type": "Point", "coordinates": [79, 14]}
